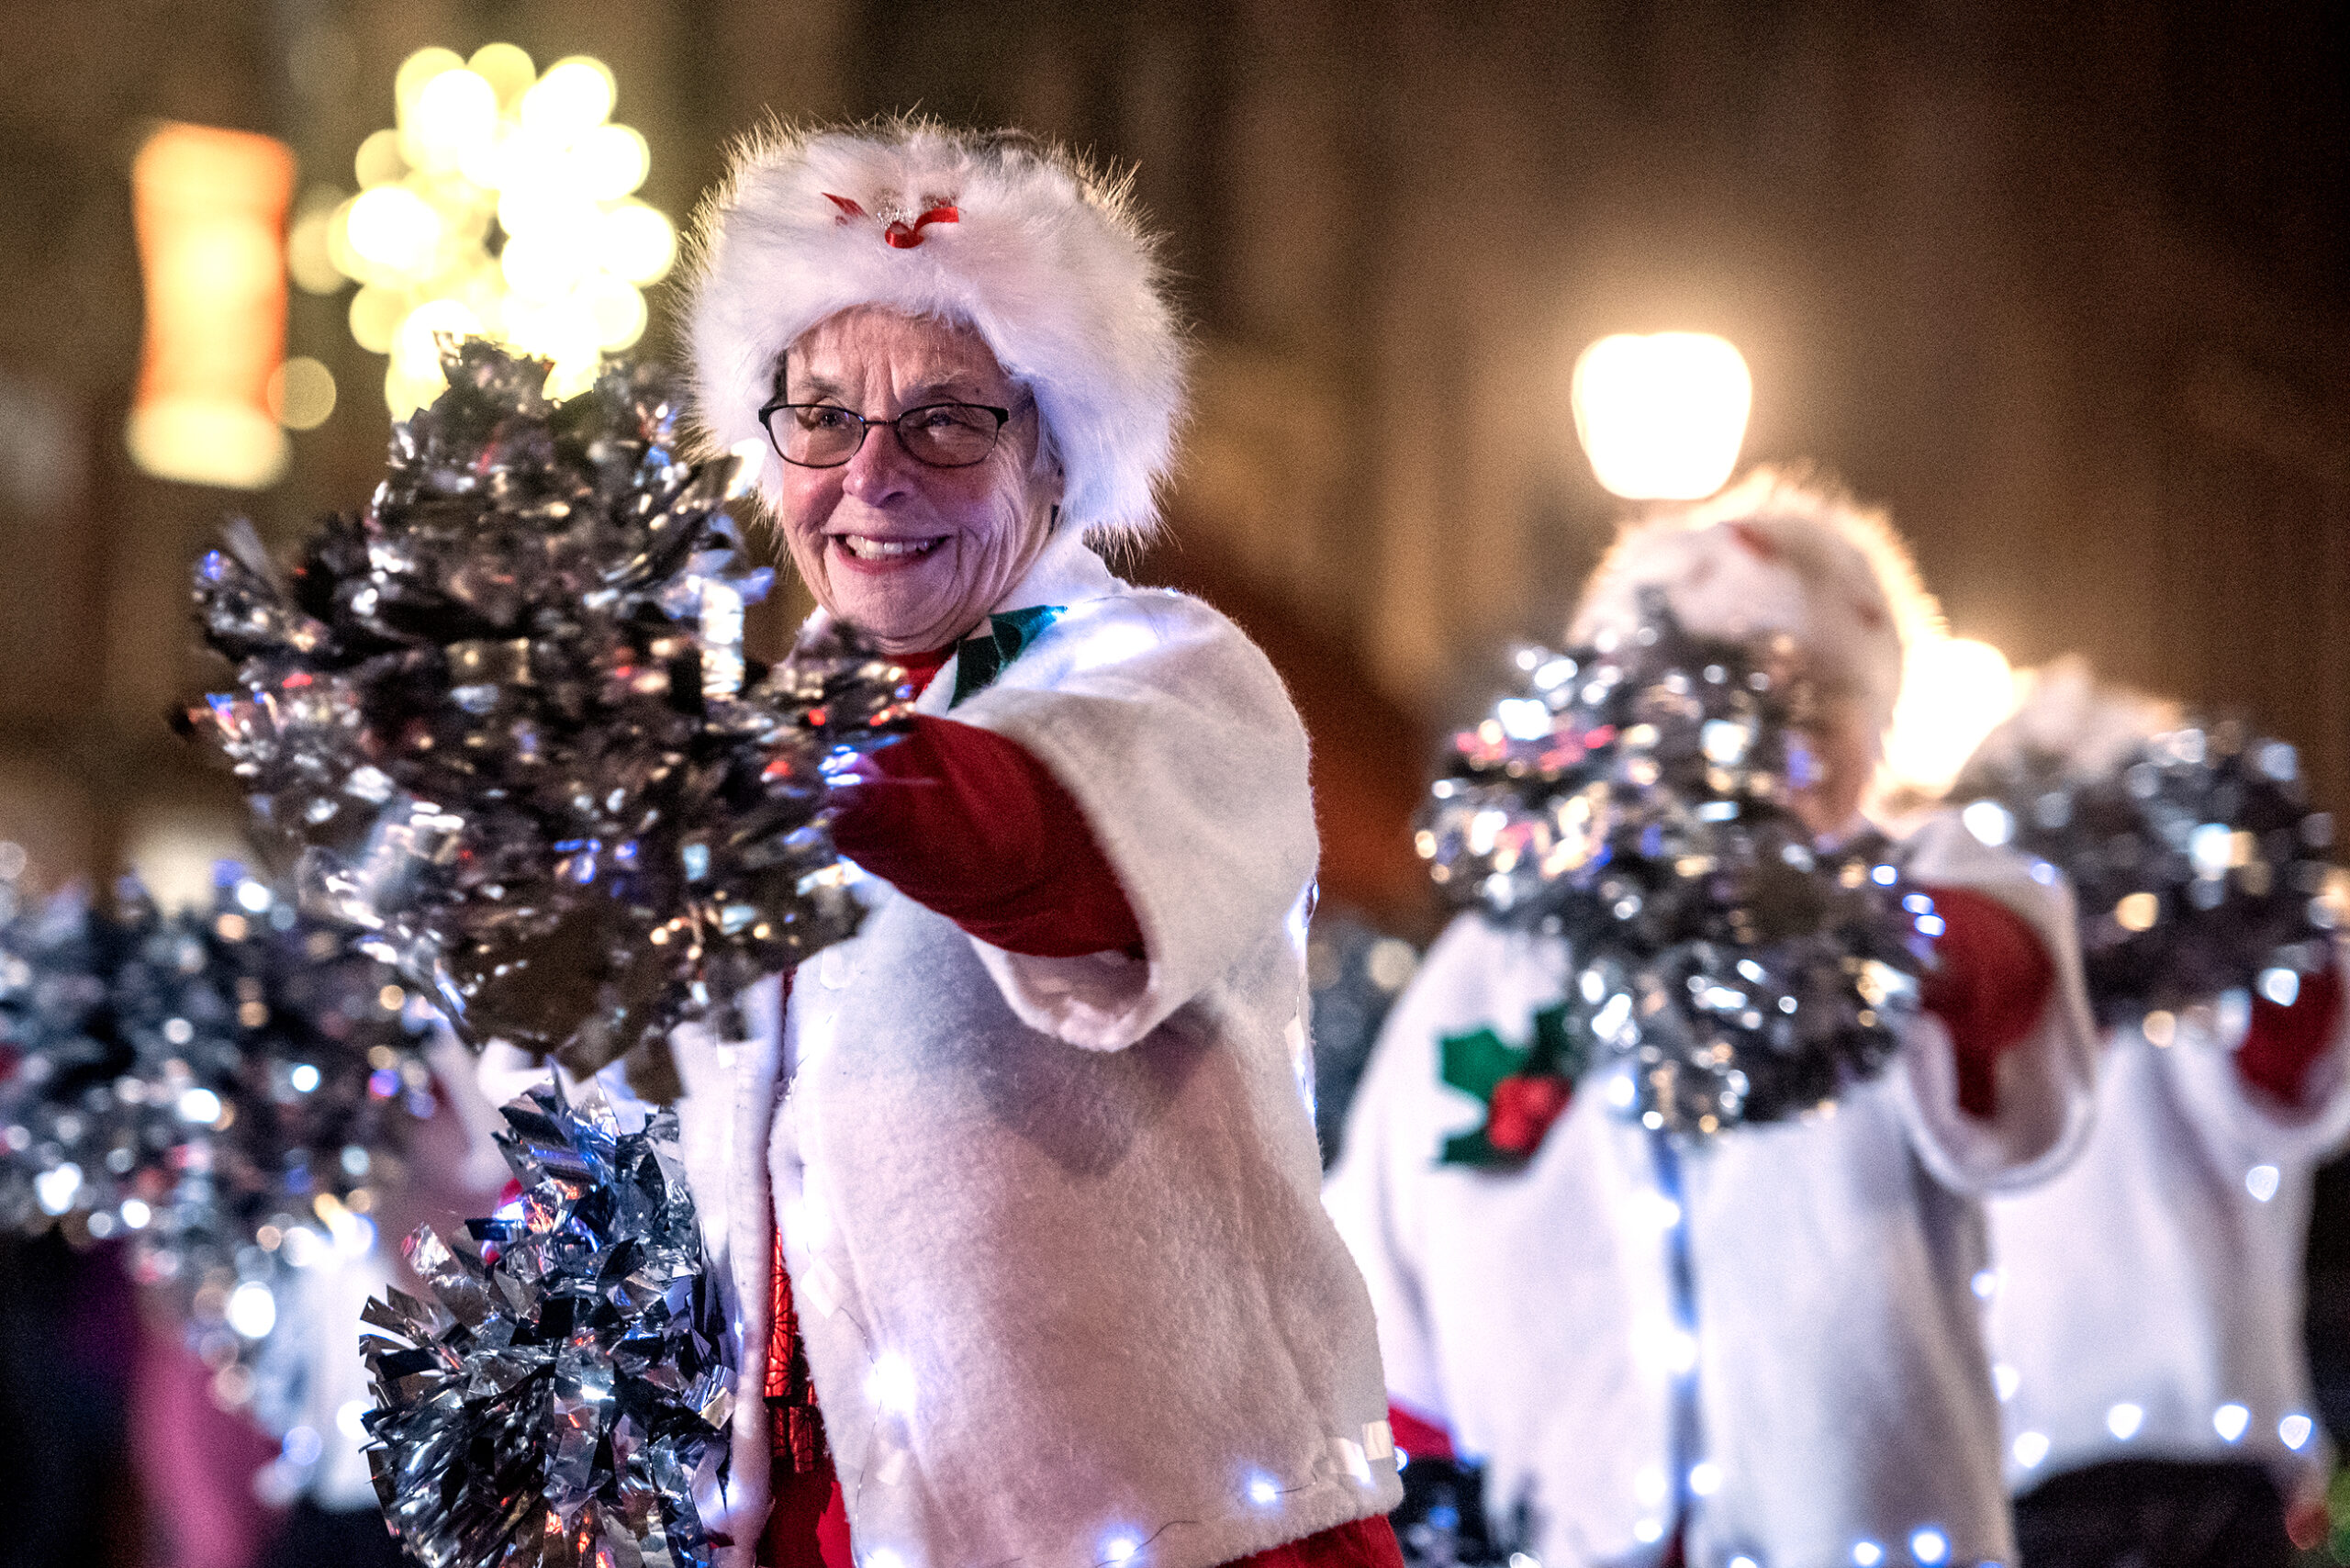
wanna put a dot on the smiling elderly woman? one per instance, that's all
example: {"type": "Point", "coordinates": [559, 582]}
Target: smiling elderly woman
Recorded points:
{"type": "Point", "coordinates": [1035, 1140]}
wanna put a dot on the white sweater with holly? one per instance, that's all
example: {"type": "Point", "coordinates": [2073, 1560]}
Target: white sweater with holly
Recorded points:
{"type": "Point", "coordinates": [1827, 1399]}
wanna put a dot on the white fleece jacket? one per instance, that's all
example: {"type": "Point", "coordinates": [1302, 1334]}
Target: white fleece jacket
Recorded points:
{"type": "Point", "coordinates": [1068, 1294]}
{"type": "Point", "coordinates": [1841, 1408]}
{"type": "Point", "coordinates": [2149, 1299]}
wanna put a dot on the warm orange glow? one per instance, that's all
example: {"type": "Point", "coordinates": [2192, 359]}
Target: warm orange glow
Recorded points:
{"type": "Point", "coordinates": [1661, 417]}
{"type": "Point", "coordinates": [210, 207]}
{"type": "Point", "coordinates": [1954, 691]}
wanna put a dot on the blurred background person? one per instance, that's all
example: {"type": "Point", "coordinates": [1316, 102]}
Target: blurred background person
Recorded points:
{"type": "Point", "coordinates": [1757, 1345]}
{"type": "Point", "coordinates": [2147, 1319]}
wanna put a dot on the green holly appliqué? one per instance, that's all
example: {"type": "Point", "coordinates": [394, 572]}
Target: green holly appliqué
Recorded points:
{"type": "Point", "coordinates": [1524, 1088]}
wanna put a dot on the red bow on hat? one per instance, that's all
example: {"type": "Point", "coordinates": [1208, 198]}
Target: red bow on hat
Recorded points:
{"type": "Point", "coordinates": [905, 236]}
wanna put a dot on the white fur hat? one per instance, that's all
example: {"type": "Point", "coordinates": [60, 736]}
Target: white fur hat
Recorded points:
{"type": "Point", "coordinates": [1776, 554]}
{"type": "Point", "coordinates": [1044, 258]}
{"type": "Point", "coordinates": [2093, 725]}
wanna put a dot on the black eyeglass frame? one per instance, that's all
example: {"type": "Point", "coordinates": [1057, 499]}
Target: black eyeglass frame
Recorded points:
{"type": "Point", "coordinates": [865, 424]}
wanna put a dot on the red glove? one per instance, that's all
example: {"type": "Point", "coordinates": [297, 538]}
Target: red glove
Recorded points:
{"type": "Point", "coordinates": [966, 822]}
{"type": "Point", "coordinates": [1991, 983]}
{"type": "Point", "coordinates": [2284, 1043]}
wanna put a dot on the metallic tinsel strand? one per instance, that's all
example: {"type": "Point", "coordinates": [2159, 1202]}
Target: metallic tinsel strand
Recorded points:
{"type": "Point", "coordinates": [563, 1396]}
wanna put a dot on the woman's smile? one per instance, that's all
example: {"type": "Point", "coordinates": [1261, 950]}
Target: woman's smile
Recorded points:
{"type": "Point", "coordinates": [911, 555]}
{"type": "Point", "coordinates": [871, 552]}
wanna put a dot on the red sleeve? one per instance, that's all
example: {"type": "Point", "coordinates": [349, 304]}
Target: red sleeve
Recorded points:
{"type": "Point", "coordinates": [2284, 1043]}
{"type": "Point", "coordinates": [1418, 1436]}
{"type": "Point", "coordinates": [966, 822]}
{"type": "Point", "coordinates": [1990, 984]}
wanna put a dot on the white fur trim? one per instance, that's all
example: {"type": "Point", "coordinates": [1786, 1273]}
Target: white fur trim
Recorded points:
{"type": "Point", "coordinates": [1046, 260]}
{"type": "Point", "coordinates": [1775, 554]}
{"type": "Point", "coordinates": [2093, 725]}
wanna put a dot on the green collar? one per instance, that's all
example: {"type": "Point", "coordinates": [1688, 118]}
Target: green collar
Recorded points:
{"type": "Point", "coordinates": [981, 657]}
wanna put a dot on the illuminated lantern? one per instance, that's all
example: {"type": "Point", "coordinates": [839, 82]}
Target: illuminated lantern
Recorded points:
{"type": "Point", "coordinates": [210, 207]}
{"type": "Point", "coordinates": [1661, 417]}
{"type": "Point", "coordinates": [502, 204]}
{"type": "Point", "coordinates": [1954, 691]}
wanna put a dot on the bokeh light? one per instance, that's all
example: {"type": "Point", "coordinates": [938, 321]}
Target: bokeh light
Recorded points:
{"type": "Point", "coordinates": [1954, 691]}
{"type": "Point", "coordinates": [1661, 417]}
{"type": "Point", "coordinates": [302, 393]}
{"type": "Point", "coordinates": [501, 203]}
{"type": "Point", "coordinates": [210, 208]}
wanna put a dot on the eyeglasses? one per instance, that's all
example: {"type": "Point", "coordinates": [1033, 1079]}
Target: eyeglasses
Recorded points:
{"type": "Point", "coordinates": [938, 435]}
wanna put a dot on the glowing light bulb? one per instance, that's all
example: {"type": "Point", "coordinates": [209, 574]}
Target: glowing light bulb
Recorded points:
{"type": "Point", "coordinates": [2031, 1449]}
{"type": "Point", "coordinates": [418, 71]}
{"type": "Point", "coordinates": [416, 347]}
{"type": "Point", "coordinates": [890, 1383]}
{"type": "Point", "coordinates": [616, 309]}
{"type": "Point", "coordinates": [1661, 417]}
{"type": "Point", "coordinates": [574, 96]}
{"type": "Point", "coordinates": [611, 160]}
{"type": "Point", "coordinates": [636, 242]}
{"type": "Point", "coordinates": [1954, 691]}
{"type": "Point", "coordinates": [453, 114]}
{"type": "Point", "coordinates": [541, 267]}
{"type": "Point", "coordinates": [505, 67]}
{"type": "Point", "coordinates": [499, 206]}
{"type": "Point", "coordinates": [2124, 1419]}
{"type": "Point", "coordinates": [396, 229]}
{"type": "Point", "coordinates": [55, 1188]}
{"type": "Point", "coordinates": [379, 161]}
{"type": "Point", "coordinates": [2230, 1421]}
{"type": "Point", "coordinates": [253, 1311]}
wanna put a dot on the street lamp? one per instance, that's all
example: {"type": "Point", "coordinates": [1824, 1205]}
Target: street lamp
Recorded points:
{"type": "Point", "coordinates": [1662, 416]}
